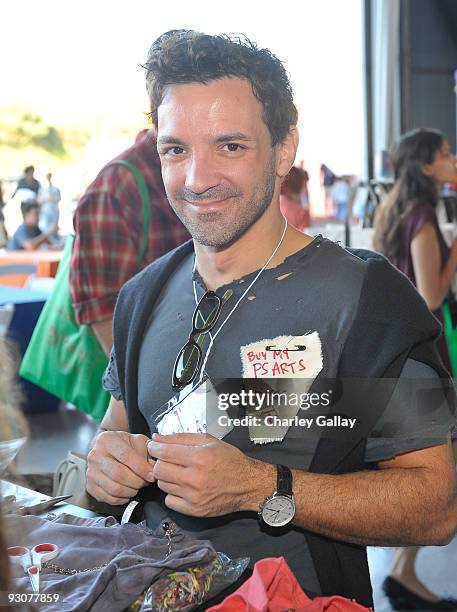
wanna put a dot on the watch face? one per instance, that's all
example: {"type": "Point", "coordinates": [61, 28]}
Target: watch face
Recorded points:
{"type": "Point", "coordinates": [278, 511]}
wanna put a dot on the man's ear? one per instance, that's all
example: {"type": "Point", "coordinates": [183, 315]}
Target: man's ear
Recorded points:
{"type": "Point", "coordinates": [286, 152]}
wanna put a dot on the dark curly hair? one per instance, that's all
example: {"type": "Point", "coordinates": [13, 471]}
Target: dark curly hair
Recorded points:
{"type": "Point", "coordinates": [186, 56]}
{"type": "Point", "coordinates": [412, 187]}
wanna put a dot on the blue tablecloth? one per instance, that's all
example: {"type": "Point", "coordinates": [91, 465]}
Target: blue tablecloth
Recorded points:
{"type": "Point", "coordinates": [20, 295]}
{"type": "Point", "coordinates": [27, 308]}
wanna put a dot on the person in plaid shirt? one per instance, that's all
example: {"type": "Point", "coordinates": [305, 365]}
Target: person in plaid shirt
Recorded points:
{"type": "Point", "coordinates": [109, 228]}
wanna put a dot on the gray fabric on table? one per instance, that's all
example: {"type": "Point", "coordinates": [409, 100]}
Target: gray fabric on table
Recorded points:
{"type": "Point", "coordinates": [135, 558]}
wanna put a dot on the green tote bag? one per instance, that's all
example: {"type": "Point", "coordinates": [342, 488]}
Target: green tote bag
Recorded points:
{"type": "Point", "coordinates": [450, 333]}
{"type": "Point", "coordinates": [63, 357]}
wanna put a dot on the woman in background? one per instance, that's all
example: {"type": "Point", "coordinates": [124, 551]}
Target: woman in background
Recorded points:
{"type": "Point", "coordinates": [406, 228]}
{"type": "Point", "coordinates": [407, 233]}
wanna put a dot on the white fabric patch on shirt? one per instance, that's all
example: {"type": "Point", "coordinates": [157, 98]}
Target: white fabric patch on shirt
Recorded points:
{"type": "Point", "coordinates": [283, 357]}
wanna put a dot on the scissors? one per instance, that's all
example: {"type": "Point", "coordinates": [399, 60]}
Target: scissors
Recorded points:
{"type": "Point", "coordinates": [31, 560]}
{"type": "Point", "coordinates": [43, 506]}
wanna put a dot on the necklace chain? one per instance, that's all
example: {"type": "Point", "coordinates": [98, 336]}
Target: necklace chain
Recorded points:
{"type": "Point", "coordinates": [212, 338]}
{"type": "Point", "coordinates": [168, 529]}
{"type": "Point", "coordinates": [71, 572]}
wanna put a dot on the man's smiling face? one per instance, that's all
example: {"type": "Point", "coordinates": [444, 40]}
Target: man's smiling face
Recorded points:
{"type": "Point", "coordinates": [218, 164]}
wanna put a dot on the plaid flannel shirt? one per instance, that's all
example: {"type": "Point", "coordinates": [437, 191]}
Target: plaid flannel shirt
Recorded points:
{"type": "Point", "coordinates": [109, 229]}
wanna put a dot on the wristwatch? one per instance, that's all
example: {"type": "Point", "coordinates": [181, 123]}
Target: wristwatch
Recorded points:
{"type": "Point", "coordinates": [279, 509]}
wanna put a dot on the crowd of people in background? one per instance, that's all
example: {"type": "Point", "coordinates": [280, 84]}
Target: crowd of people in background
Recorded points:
{"type": "Point", "coordinates": [296, 205]}
{"type": "Point", "coordinates": [40, 211]}
{"type": "Point", "coordinates": [338, 204]}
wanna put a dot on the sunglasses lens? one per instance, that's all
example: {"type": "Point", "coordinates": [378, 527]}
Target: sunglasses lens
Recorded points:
{"type": "Point", "coordinates": [187, 364]}
{"type": "Point", "coordinates": [206, 313]}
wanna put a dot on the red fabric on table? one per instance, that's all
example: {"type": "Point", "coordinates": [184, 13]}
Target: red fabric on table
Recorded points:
{"type": "Point", "coordinates": [274, 588]}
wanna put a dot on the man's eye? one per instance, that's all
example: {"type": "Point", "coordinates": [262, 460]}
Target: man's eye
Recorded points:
{"type": "Point", "coordinates": [174, 151]}
{"type": "Point", "coordinates": [233, 147]}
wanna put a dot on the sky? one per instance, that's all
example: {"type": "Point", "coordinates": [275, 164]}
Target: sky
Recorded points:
{"type": "Point", "coordinates": [72, 61]}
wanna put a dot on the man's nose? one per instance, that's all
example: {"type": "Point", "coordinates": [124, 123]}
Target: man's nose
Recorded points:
{"type": "Point", "coordinates": [201, 173]}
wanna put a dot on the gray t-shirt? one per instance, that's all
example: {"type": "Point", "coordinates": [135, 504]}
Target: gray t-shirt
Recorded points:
{"type": "Point", "coordinates": [314, 291]}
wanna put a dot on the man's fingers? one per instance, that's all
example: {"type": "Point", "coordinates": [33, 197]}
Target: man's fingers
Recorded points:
{"type": "Point", "coordinates": [118, 466]}
{"type": "Point", "coordinates": [102, 496]}
{"type": "Point", "coordinates": [113, 487]}
{"type": "Point", "coordinates": [171, 453]}
{"type": "Point", "coordinates": [178, 504]}
{"type": "Point", "coordinates": [169, 472]}
{"type": "Point", "coordinates": [139, 444]}
{"type": "Point", "coordinates": [170, 487]}
{"type": "Point", "coordinates": [126, 455]}
{"type": "Point", "coordinates": [191, 439]}
{"type": "Point", "coordinates": [120, 473]}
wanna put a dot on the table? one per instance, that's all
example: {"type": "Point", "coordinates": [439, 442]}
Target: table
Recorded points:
{"type": "Point", "coordinates": [29, 497]}
{"type": "Point", "coordinates": [46, 263]}
{"type": "Point", "coordinates": [27, 307]}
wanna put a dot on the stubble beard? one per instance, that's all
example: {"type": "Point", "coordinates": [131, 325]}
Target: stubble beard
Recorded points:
{"type": "Point", "coordinates": [211, 230]}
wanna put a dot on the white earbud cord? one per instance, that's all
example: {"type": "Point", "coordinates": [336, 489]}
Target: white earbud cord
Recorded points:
{"type": "Point", "coordinates": [212, 338]}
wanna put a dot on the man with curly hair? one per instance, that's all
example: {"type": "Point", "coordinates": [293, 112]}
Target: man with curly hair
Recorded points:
{"type": "Point", "coordinates": [279, 304]}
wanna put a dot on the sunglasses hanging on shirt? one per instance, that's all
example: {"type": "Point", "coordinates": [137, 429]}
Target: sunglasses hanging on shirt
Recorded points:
{"type": "Point", "coordinates": [205, 317]}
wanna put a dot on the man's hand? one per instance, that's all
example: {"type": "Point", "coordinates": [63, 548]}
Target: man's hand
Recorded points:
{"type": "Point", "coordinates": [118, 466]}
{"type": "Point", "coordinates": [204, 476]}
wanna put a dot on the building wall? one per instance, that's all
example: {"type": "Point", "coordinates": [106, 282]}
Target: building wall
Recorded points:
{"type": "Point", "coordinates": [429, 59]}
